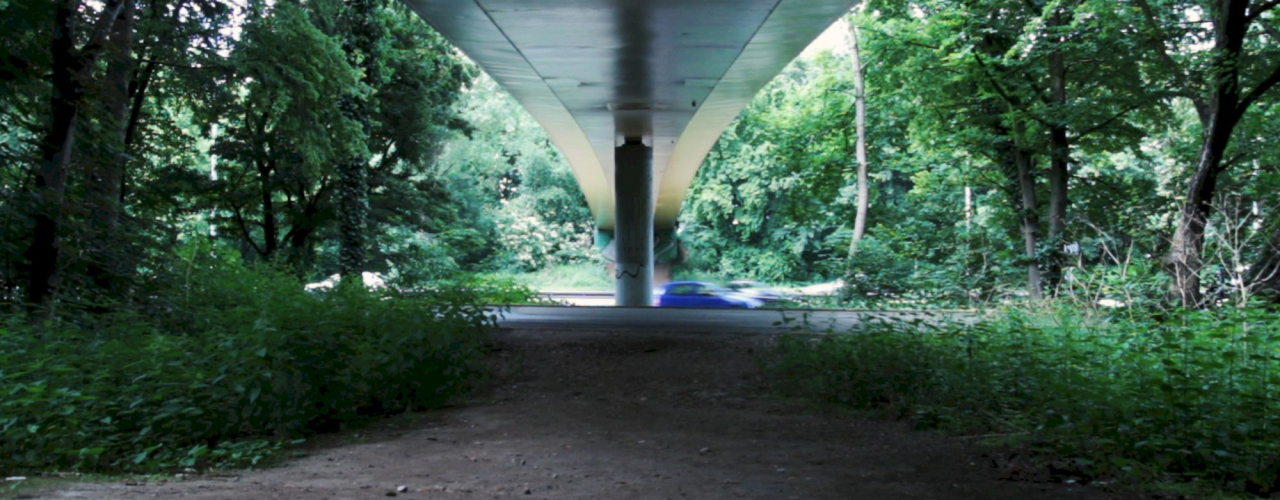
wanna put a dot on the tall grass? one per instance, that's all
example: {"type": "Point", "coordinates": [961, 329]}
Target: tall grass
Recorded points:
{"type": "Point", "coordinates": [243, 360]}
{"type": "Point", "coordinates": [1189, 398]}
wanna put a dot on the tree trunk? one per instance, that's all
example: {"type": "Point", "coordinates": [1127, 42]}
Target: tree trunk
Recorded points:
{"type": "Point", "coordinates": [860, 105]}
{"type": "Point", "coordinates": [353, 175]}
{"type": "Point", "coordinates": [70, 69]}
{"type": "Point", "coordinates": [353, 193]}
{"type": "Point", "coordinates": [105, 254]}
{"type": "Point", "coordinates": [106, 184]}
{"type": "Point", "coordinates": [1059, 158]}
{"type": "Point", "coordinates": [1029, 218]}
{"type": "Point", "coordinates": [1223, 110]}
{"type": "Point", "coordinates": [1188, 237]}
{"type": "Point", "coordinates": [270, 233]}
{"type": "Point", "coordinates": [51, 178]}
{"type": "Point", "coordinates": [305, 218]}
{"type": "Point", "coordinates": [138, 96]}
{"type": "Point", "coordinates": [301, 251]}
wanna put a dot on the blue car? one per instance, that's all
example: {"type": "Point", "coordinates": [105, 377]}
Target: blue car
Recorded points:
{"type": "Point", "coordinates": [700, 294]}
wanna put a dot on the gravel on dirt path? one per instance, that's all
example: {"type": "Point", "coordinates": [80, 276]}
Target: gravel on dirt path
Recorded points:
{"type": "Point", "coordinates": [619, 415]}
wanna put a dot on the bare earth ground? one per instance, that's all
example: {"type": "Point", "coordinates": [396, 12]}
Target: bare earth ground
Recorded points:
{"type": "Point", "coordinates": [621, 415]}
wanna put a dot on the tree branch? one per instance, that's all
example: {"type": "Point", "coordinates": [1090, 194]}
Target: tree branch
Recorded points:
{"type": "Point", "coordinates": [97, 41]}
{"type": "Point", "coordinates": [244, 229]}
{"type": "Point", "coordinates": [1108, 121]}
{"type": "Point", "coordinates": [899, 40]}
{"type": "Point", "coordinates": [1016, 103]}
{"type": "Point", "coordinates": [1260, 9]}
{"type": "Point", "coordinates": [222, 67]}
{"type": "Point", "coordinates": [1157, 44]}
{"type": "Point", "coordinates": [1257, 92]}
{"type": "Point", "coordinates": [1233, 160]}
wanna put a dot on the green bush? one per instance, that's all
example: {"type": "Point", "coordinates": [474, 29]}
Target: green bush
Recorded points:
{"type": "Point", "coordinates": [242, 360]}
{"type": "Point", "coordinates": [1188, 398]}
{"type": "Point", "coordinates": [576, 276]}
{"type": "Point", "coordinates": [888, 273]}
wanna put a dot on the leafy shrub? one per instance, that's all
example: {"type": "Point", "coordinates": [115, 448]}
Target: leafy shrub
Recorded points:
{"type": "Point", "coordinates": [877, 270]}
{"type": "Point", "coordinates": [583, 275]}
{"type": "Point", "coordinates": [889, 272]}
{"type": "Point", "coordinates": [244, 360]}
{"type": "Point", "coordinates": [533, 242]}
{"type": "Point", "coordinates": [1188, 398]}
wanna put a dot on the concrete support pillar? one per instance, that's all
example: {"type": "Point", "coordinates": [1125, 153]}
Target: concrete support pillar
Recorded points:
{"type": "Point", "coordinates": [633, 223]}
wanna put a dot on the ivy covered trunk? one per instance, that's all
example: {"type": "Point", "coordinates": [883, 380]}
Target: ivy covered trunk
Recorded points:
{"type": "Point", "coordinates": [353, 175]}
{"type": "Point", "coordinates": [353, 194]}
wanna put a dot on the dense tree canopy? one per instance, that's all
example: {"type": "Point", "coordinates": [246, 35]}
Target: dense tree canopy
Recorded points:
{"type": "Point", "coordinates": [1014, 146]}
{"type": "Point", "coordinates": [234, 121]}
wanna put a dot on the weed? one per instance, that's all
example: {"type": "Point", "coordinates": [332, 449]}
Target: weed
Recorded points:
{"type": "Point", "coordinates": [244, 362]}
{"type": "Point", "coordinates": [1189, 398]}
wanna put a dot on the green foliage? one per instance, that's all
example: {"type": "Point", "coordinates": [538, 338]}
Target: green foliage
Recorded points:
{"type": "Point", "coordinates": [236, 126]}
{"type": "Point", "coordinates": [766, 203]}
{"type": "Point", "coordinates": [242, 360]}
{"type": "Point", "coordinates": [582, 276]}
{"type": "Point", "coordinates": [287, 127]}
{"type": "Point", "coordinates": [514, 188]}
{"type": "Point", "coordinates": [952, 89]}
{"type": "Point", "coordinates": [1186, 398]}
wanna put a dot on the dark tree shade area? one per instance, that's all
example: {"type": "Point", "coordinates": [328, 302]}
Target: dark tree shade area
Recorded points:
{"type": "Point", "coordinates": [278, 128]}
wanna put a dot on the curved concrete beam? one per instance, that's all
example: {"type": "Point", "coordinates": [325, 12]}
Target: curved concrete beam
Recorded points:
{"type": "Point", "coordinates": [675, 72]}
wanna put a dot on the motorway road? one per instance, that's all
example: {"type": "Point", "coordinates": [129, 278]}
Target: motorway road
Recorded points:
{"type": "Point", "coordinates": [707, 320]}
{"type": "Point", "coordinates": [603, 298]}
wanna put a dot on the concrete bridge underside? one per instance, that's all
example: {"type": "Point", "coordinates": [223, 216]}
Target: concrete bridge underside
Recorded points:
{"type": "Point", "coordinates": [599, 74]}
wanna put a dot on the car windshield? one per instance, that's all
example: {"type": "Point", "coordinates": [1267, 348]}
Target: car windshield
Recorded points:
{"type": "Point", "coordinates": [682, 289]}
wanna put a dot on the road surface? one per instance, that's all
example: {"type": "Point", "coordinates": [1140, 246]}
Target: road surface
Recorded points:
{"type": "Point", "coordinates": [707, 320]}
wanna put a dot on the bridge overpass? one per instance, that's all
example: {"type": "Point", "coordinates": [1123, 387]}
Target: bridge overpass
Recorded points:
{"type": "Point", "coordinates": [633, 92]}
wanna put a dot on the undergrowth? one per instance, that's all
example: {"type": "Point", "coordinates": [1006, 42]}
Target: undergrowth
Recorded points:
{"type": "Point", "coordinates": [240, 361]}
{"type": "Point", "coordinates": [575, 276]}
{"type": "Point", "coordinates": [1188, 399]}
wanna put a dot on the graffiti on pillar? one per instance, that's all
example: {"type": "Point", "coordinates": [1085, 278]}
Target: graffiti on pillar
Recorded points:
{"type": "Point", "coordinates": [622, 271]}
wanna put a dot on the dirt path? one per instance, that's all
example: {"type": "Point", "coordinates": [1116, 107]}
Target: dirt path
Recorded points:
{"type": "Point", "coordinates": [621, 416]}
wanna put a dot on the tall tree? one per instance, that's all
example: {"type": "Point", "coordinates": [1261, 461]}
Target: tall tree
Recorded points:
{"type": "Point", "coordinates": [353, 176]}
{"type": "Point", "coordinates": [303, 134]}
{"type": "Point", "coordinates": [1224, 82]}
{"type": "Point", "coordinates": [107, 175]}
{"type": "Point", "coordinates": [285, 130]}
{"type": "Point", "coordinates": [1023, 167]}
{"type": "Point", "coordinates": [860, 124]}
{"type": "Point", "coordinates": [72, 69]}
{"type": "Point", "coordinates": [1055, 68]}
{"type": "Point", "coordinates": [1059, 144]}
{"type": "Point", "coordinates": [1001, 110]}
